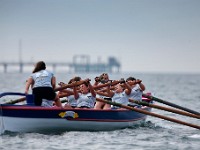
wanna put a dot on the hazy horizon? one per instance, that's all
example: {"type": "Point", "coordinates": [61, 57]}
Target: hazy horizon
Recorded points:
{"type": "Point", "coordinates": [160, 36]}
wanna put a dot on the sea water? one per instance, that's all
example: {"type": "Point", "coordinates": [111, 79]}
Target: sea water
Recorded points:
{"type": "Point", "coordinates": [155, 134]}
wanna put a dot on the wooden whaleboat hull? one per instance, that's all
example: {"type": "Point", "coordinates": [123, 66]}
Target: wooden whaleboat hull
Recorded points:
{"type": "Point", "coordinates": [25, 118]}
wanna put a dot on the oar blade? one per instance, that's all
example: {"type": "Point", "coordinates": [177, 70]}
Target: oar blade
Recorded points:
{"type": "Point", "coordinates": [171, 104]}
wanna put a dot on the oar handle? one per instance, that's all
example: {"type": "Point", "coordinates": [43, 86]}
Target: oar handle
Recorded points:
{"type": "Point", "coordinates": [114, 82]}
{"type": "Point", "coordinates": [69, 85]}
{"type": "Point", "coordinates": [171, 104]}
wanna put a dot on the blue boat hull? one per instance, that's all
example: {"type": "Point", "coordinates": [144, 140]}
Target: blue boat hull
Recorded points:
{"type": "Point", "coordinates": [19, 118]}
{"type": "Point", "coordinates": [28, 118]}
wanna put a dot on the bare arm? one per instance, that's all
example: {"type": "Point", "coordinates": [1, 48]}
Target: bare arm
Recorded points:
{"type": "Point", "coordinates": [113, 83]}
{"type": "Point", "coordinates": [106, 92]}
{"type": "Point", "coordinates": [92, 89]}
{"type": "Point", "coordinates": [28, 83]}
{"type": "Point", "coordinates": [53, 82]}
{"type": "Point", "coordinates": [139, 82]}
{"type": "Point", "coordinates": [76, 95]}
{"type": "Point", "coordinates": [127, 88]}
{"type": "Point", "coordinates": [65, 92]}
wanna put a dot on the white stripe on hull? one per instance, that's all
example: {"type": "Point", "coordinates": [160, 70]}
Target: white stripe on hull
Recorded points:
{"type": "Point", "coordinates": [39, 124]}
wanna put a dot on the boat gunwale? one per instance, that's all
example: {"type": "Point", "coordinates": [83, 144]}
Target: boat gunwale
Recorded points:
{"type": "Point", "coordinates": [27, 107]}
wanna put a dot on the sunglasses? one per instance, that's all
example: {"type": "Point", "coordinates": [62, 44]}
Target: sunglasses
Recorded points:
{"type": "Point", "coordinates": [104, 74]}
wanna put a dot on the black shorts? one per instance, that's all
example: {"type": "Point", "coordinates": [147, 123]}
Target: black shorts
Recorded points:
{"type": "Point", "coordinates": [43, 93]}
{"type": "Point", "coordinates": [133, 105]}
{"type": "Point", "coordinates": [84, 107]}
{"type": "Point", "coordinates": [108, 98]}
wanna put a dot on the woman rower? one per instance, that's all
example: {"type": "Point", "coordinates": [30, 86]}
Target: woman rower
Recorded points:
{"type": "Point", "coordinates": [120, 94]}
{"type": "Point", "coordinates": [102, 79]}
{"type": "Point", "coordinates": [71, 101]}
{"type": "Point", "coordinates": [86, 97]}
{"type": "Point", "coordinates": [137, 88]}
{"type": "Point", "coordinates": [43, 83]}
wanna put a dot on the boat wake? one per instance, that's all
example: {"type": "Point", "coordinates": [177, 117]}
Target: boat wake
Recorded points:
{"type": "Point", "coordinates": [147, 124]}
{"type": "Point", "coordinates": [195, 136]}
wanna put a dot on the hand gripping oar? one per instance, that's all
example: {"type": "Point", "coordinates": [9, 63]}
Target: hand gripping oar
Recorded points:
{"type": "Point", "coordinates": [112, 83]}
{"type": "Point", "coordinates": [170, 104]}
{"type": "Point", "coordinates": [56, 89]}
{"type": "Point", "coordinates": [165, 108]}
{"type": "Point", "coordinates": [149, 113]}
{"type": "Point", "coordinates": [64, 86]}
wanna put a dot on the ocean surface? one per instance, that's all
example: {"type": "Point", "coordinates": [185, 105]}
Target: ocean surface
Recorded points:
{"type": "Point", "coordinates": [155, 134]}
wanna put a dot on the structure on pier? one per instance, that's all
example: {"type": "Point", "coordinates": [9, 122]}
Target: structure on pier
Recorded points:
{"type": "Point", "coordinates": [80, 64]}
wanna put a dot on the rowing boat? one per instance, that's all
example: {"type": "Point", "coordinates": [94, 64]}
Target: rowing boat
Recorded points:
{"type": "Point", "coordinates": [30, 118]}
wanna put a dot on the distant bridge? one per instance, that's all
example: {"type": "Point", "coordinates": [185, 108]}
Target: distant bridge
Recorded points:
{"type": "Point", "coordinates": [80, 64]}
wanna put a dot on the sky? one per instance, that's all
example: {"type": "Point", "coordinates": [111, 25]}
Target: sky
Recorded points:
{"type": "Point", "coordinates": [144, 35]}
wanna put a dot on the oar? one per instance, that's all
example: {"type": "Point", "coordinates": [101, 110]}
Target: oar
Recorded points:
{"type": "Point", "coordinates": [114, 82]}
{"type": "Point", "coordinates": [165, 108]}
{"type": "Point", "coordinates": [149, 113]}
{"type": "Point", "coordinates": [13, 93]}
{"type": "Point", "coordinates": [64, 101]}
{"type": "Point", "coordinates": [170, 104]}
{"type": "Point", "coordinates": [16, 101]}
{"type": "Point", "coordinates": [56, 89]}
{"type": "Point", "coordinates": [64, 86]}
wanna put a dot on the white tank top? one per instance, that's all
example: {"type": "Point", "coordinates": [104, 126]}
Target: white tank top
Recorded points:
{"type": "Point", "coordinates": [42, 79]}
{"type": "Point", "coordinates": [86, 100]}
{"type": "Point", "coordinates": [121, 98]}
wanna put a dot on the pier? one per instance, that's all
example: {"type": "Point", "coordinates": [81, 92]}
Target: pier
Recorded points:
{"type": "Point", "coordinates": [80, 64]}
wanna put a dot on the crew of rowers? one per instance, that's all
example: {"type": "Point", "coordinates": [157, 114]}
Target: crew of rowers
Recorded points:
{"type": "Point", "coordinates": [86, 95]}
{"type": "Point", "coordinates": [81, 94]}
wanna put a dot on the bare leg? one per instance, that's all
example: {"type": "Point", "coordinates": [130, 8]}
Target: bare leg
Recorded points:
{"type": "Point", "coordinates": [98, 105]}
{"type": "Point", "coordinates": [107, 106]}
{"type": "Point", "coordinates": [57, 101]}
{"type": "Point", "coordinates": [67, 106]}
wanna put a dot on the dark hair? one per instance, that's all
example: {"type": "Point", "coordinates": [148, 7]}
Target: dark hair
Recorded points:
{"type": "Point", "coordinates": [77, 78]}
{"type": "Point", "coordinates": [130, 78]}
{"type": "Point", "coordinates": [86, 84]}
{"type": "Point", "coordinates": [40, 65]}
{"type": "Point", "coordinates": [74, 79]}
{"type": "Point", "coordinates": [101, 78]}
{"type": "Point", "coordinates": [71, 80]}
